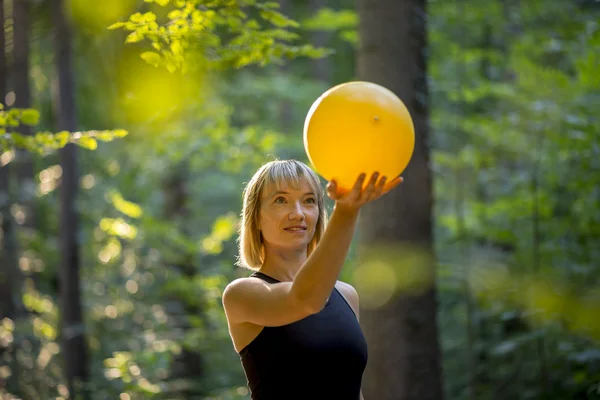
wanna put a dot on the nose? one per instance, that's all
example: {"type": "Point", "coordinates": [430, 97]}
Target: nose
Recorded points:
{"type": "Point", "coordinates": [297, 212]}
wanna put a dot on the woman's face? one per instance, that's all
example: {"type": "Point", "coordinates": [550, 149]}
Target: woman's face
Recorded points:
{"type": "Point", "coordinates": [288, 216]}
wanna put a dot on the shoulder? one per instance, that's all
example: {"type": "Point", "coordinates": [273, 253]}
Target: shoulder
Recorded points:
{"type": "Point", "coordinates": [240, 288]}
{"type": "Point", "coordinates": [349, 293]}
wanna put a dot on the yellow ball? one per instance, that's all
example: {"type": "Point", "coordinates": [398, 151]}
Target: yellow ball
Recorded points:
{"type": "Point", "coordinates": [358, 127]}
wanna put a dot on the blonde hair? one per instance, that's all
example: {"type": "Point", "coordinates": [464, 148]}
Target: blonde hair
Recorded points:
{"type": "Point", "coordinates": [291, 172]}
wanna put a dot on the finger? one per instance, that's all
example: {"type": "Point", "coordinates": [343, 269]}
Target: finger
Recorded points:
{"type": "Point", "coordinates": [392, 184]}
{"type": "Point", "coordinates": [380, 186]}
{"type": "Point", "coordinates": [358, 185]}
{"type": "Point", "coordinates": [332, 190]}
{"type": "Point", "coordinates": [373, 180]}
{"type": "Point", "coordinates": [368, 193]}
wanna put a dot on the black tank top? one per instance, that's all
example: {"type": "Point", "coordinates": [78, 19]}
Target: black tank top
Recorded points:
{"type": "Point", "coordinates": [322, 356]}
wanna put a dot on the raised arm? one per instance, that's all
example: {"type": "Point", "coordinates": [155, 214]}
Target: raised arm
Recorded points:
{"type": "Point", "coordinates": [253, 300]}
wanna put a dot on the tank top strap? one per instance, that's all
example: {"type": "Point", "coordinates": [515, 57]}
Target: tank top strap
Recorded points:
{"type": "Point", "coordinates": [264, 277]}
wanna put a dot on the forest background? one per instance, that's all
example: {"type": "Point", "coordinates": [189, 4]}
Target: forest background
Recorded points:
{"type": "Point", "coordinates": [124, 152]}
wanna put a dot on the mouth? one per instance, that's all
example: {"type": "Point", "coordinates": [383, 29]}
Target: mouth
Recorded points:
{"type": "Point", "coordinates": [296, 229]}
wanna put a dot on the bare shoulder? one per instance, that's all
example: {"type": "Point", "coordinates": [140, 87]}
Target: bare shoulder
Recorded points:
{"type": "Point", "coordinates": [350, 294]}
{"type": "Point", "coordinates": [252, 300]}
{"type": "Point", "coordinates": [240, 288]}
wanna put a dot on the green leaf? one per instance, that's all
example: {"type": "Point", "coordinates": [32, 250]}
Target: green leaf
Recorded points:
{"type": "Point", "coordinates": [151, 57]}
{"type": "Point", "coordinates": [329, 20]}
{"type": "Point", "coordinates": [30, 117]}
{"type": "Point", "coordinates": [128, 208]}
{"type": "Point", "coordinates": [224, 227]}
{"type": "Point", "coordinates": [116, 25]}
{"type": "Point", "coordinates": [120, 133]}
{"type": "Point", "coordinates": [350, 37]}
{"type": "Point", "coordinates": [62, 138]}
{"type": "Point", "coordinates": [118, 227]}
{"type": "Point", "coordinates": [161, 3]}
{"type": "Point", "coordinates": [137, 17]}
{"type": "Point", "coordinates": [134, 37]}
{"type": "Point", "coordinates": [176, 47]}
{"type": "Point", "coordinates": [278, 19]}
{"type": "Point", "coordinates": [149, 17]}
{"type": "Point", "coordinates": [87, 143]}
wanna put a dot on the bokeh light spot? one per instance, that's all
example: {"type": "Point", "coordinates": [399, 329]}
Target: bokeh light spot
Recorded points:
{"type": "Point", "coordinates": [96, 16]}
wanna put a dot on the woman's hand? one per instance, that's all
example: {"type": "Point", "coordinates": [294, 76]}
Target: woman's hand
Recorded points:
{"type": "Point", "coordinates": [354, 199]}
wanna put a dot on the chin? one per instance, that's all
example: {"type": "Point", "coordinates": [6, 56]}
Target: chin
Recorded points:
{"type": "Point", "coordinates": [297, 245]}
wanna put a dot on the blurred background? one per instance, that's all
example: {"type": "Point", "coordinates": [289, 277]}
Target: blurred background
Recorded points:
{"type": "Point", "coordinates": [124, 153]}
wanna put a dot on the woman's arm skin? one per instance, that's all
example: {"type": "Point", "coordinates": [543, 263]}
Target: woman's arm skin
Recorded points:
{"type": "Point", "coordinates": [253, 300]}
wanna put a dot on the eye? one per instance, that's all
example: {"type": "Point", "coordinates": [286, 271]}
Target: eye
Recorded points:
{"type": "Point", "coordinates": [311, 200]}
{"type": "Point", "coordinates": [279, 200]}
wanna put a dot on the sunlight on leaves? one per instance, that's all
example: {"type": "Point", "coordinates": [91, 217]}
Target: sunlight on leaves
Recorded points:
{"type": "Point", "coordinates": [87, 143]}
{"type": "Point", "coordinates": [161, 3]}
{"type": "Point", "coordinates": [118, 227]}
{"type": "Point", "coordinates": [38, 303]}
{"type": "Point", "coordinates": [43, 330]}
{"type": "Point", "coordinates": [155, 94]}
{"type": "Point", "coordinates": [225, 226]}
{"type": "Point", "coordinates": [223, 229]}
{"type": "Point", "coordinates": [111, 250]}
{"type": "Point", "coordinates": [128, 208]}
{"type": "Point", "coordinates": [193, 28]}
{"type": "Point", "coordinates": [211, 246]}
{"type": "Point", "coordinates": [49, 179]}
{"type": "Point", "coordinates": [7, 327]}
{"type": "Point", "coordinates": [30, 117]}
{"type": "Point", "coordinates": [123, 366]}
{"type": "Point", "coordinates": [97, 16]}
{"type": "Point", "coordinates": [44, 143]}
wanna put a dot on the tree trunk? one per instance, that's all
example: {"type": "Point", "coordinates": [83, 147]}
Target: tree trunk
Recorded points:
{"type": "Point", "coordinates": [404, 353]}
{"type": "Point", "coordinates": [321, 67]}
{"type": "Point", "coordinates": [11, 305]}
{"type": "Point", "coordinates": [188, 366]}
{"type": "Point", "coordinates": [286, 111]}
{"type": "Point", "coordinates": [73, 340]}
{"type": "Point", "coordinates": [5, 222]}
{"type": "Point", "coordinates": [3, 69]}
{"type": "Point", "coordinates": [21, 49]}
{"type": "Point", "coordinates": [21, 167]}
{"type": "Point", "coordinates": [20, 73]}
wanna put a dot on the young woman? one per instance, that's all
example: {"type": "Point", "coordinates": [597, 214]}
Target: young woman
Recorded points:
{"type": "Point", "coordinates": [294, 325]}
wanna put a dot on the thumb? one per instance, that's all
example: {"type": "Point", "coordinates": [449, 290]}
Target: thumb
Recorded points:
{"type": "Point", "coordinates": [332, 189]}
{"type": "Point", "coordinates": [390, 185]}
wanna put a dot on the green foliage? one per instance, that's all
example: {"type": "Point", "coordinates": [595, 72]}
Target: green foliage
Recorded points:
{"type": "Point", "coordinates": [343, 21]}
{"type": "Point", "coordinates": [44, 143]}
{"type": "Point", "coordinates": [511, 111]}
{"type": "Point", "coordinates": [513, 108]}
{"type": "Point", "coordinates": [216, 35]}
{"type": "Point", "coordinates": [15, 116]}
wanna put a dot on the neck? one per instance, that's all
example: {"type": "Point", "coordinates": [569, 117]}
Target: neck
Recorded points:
{"type": "Point", "coordinates": [283, 265]}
